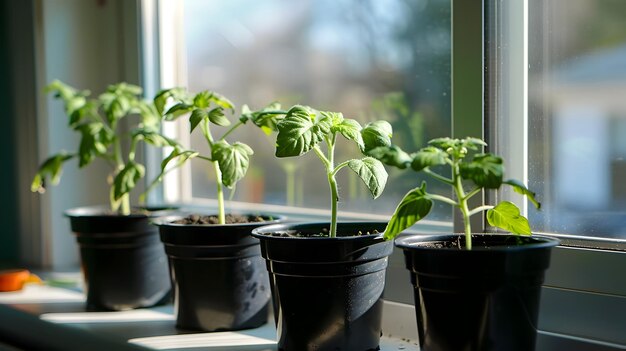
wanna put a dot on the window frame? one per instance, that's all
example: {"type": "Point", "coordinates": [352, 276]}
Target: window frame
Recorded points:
{"type": "Point", "coordinates": [582, 268]}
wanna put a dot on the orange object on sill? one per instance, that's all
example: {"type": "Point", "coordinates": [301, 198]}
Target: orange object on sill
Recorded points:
{"type": "Point", "coordinates": [14, 279]}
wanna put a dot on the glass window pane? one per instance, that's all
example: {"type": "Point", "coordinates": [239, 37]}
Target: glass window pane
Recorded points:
{"type": "Point", "coordinates": [367, 59]}
{"type": "Point", "coordinates": [577, 115]}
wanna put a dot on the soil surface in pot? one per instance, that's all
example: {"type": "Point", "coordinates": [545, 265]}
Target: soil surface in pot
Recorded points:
{"type": "Point", "coordinates": [230, 219]}
{"type": "Point", "coordinates": [322, 234]}
{"type": "Point", "coordinates": [477, 242]}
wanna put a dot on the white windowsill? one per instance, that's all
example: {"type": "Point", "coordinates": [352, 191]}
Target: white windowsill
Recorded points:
{"type": "Point", "coordinates": [154, 327]}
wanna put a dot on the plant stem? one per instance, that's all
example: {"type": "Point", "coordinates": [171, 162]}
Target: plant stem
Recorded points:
{"type": "Point", "coordinates": [438, 176]}
{"type": "Point", "coordinates": [332, 182]}
{"type": "Point", "coordinates": [126, 204]}
{"type": "Point", "coordinates": [220, 193]}
{"type": "Point", "coordinates": [480, 209]}
{"type": "Point", "coordinates": [232, 129]}
{"type": "Point", "coordinates": [460, 194]}
{"type": "Point", "coordinates": [125, 199]}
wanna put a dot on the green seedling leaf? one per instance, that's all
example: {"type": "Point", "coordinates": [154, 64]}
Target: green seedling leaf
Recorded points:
{"type": "Point", "coordinates": [222, 102]}
{"type": "Point", "coordinates": [51, 167]}
{"type": "Point", "coordinates": [376, 134]}
{"type": "Point", "coordinates": [216, 116]}
{"type": "Point", "coordinates": [414, 206]}
{"type": "Point", "coordinates": [473, 143]}
{"type": "Point", "coordinates": [266, 119]}
{"type": "Point", "coordinates": [372, 172]}
{"type": "Point", "coordinates": [428, 157]}
{"type": "Point", "coordinates": [351, 130]}
{"type": "Point", "coordinates": [197, 116]}
{"type": "Point", "coordinates": [391, 155]}
{"type": "Point", "coordinates": [154, 138]}
{"type": "Point", "coordinates": [202, 100]}
{"type": "Point", "coordinates": [507, 216]}
{"type": "Point", "coordinates": [300, 131]}
{"type": "Point", "coordinates": [162, 97]}
{"type": "Point", "coordinates": [233, 160]}
{"type": "Point", "coordinates": [126, 179]}
{"type": "Point", "coordinates": [181, 156]}
{"type": "Point", "coordinates": [150, 118]}
{"type": "Point", "coordinates": [485, 170]}
{"type": "Point", "coordinates": [178, 110]}
{"type": "Point", "coordinates": [95, 141]}
{"type": "Point", "coordinates": [520, 188]}
{"type": "Point", "coordinates": [444, 143]}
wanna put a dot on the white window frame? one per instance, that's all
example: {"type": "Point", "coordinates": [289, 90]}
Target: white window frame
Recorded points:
{"type": "Point", "coordinates": [582, 278]}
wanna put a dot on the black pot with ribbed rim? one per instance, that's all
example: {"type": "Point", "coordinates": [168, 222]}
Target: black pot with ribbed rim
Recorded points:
{"type": "Point", "coordinates": [482, 299]}
{"type": "Point", "coordinates": [122, 260]}
{"type": "Point", "coordinates": [217, 274]}
{"type": "Point", "coordinates": [327, 292]}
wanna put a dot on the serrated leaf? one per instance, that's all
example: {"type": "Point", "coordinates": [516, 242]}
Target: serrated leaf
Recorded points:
{"type": "Point", "coordinates": [351, 130]}
{"type": "Point", "coordinates": [94, 142]}
{"type": "Point", "coordinates": [178, 110]}
{"type": "Point", "coordinates": [222, 101]}
{"type": "Point", "coordinates": [150, 118]}
{"type": "Point", "coordinates": [196, 117]}
{"type": "Point", "coordinates": [507, 216]}
{"type": "Point", "coordinates": [391, 155]}
{"type": "Point", "coordinates": [520, 188]}
{"type": "Point", "coordinates": [428, 157]}
{"type": "Point", "coordinates": [202, 100]}
{"type": "Point", "coordinates": [372, 172]}
{"type": "Point", "coordinates": [233, 160]}
{"type": "Point", "coordinates": [216, 116]}
{"type": "Point", "coordinates": [154, 138]}
{"type": "Point", "coordinates": [300, 131]}
{"type": "Point", "coordinates": [266, 118]}
{"type": "Point", "coordinates": [162, 97]}
{"type": "Point", "coordinates": [182, 156]}
{"type": "Point", "coordinates": [126, 180]}
{"type": "Point", "coordinates": [485, 170]}
{"type": "Point", "coordinates": [473, 143]}
{"type": "Point", "coordinates": [51, 167]}
{"type": "Point", "coordinates": [414, 206]}
{"type": "Point", "coordinates": [376, 134]}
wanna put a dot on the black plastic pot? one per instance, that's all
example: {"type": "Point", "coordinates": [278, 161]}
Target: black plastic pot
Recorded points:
{"type": "Point", "coordinates": [122, 260]}
{"type": "Point", "coordinates": [217, 274]}
{"type": "Point", "coordinates": [326, 291]}
{"type": "Point", "coordinates": [483, 299]}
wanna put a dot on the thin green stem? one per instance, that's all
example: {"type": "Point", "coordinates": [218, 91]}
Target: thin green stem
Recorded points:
{"type": "Point", "coordinates": [133, 148]}
{"type": "Point", "coordinates": [444, 199]}
{"type": "Point", "coordinates": [125, 204]}
{"type": "Point", "coordinates": [460, 194]}
{"type": "Point", "coordinates": [472, 193]}
{"type": "Point", "coordinates": [438, 176]}
{"type": "Point", "coordinates": [232, 129]}
{"type": "Point", "coordinates": [479, 209]}
{"type": "Point", "coordinates": [340, 166]}
{"type": "Point", "coordinates": [220, 193]}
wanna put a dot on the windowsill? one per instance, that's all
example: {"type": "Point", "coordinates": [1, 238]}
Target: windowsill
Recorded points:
{"type": "Point", "coordinates": [154, 328]}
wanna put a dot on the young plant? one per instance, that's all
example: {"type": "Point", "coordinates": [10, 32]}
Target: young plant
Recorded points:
{"type": "Point", "coordinates": [229, 161]}
{"type": "Point", "coordinates": [302, 129]}
{"type": "Point", "coordinates": [98, 121]}
{"type": "Point", "coordinates": [468, 177]}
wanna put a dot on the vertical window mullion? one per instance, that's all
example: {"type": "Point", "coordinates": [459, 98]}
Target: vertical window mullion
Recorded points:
{"type": "Point", "coordinates": [467, 81]}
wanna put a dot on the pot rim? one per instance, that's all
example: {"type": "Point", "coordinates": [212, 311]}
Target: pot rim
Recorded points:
{"type": "Point", "coordinates": [413, 241]}
{"type": "Point", "coordinates": [262, 232]}
{"type": "Point", "coordinates": [103, 211]}
{"type": "Point", "coordinates": [167, 221]}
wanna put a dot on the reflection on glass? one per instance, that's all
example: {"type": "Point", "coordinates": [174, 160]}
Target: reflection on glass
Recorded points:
{"type": "Point", "coordinates": [367, 59]}
{"type": "Point", "coordinates": [577, 107]}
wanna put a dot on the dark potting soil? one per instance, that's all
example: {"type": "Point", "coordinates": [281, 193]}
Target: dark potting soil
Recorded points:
{"type": "Point", "coordinates": [476, 242]}
{"type": "Point", "coordinates": [323, 234]}
{"type": "Point", "coordinates": [230, 219]}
